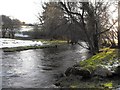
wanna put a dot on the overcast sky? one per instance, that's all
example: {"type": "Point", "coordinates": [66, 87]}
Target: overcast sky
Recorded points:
{"type": "Point", "coordinates": [24, 10]}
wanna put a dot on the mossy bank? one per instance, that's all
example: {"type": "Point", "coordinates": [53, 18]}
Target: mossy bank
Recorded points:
{"type": "Point", "coordinates": [100, 71]}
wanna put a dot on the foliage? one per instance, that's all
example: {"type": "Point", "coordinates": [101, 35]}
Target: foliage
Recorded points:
{"type": "Point", "coordinates": [53, 18]}
{"type": "Point", "coordinates": [86, 21]}
{"type": "Point", "coordinates": [109, 85]}
{"type": "Point", "coordinates": [92, 18]}
{"type": "Point", "coordinates": [9, 26]}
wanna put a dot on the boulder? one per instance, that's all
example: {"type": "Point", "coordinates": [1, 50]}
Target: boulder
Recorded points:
{"type": "Point", "coordinates": [68, 71]}
{"type": "Point", "coordinates": [117, 70]}
{"type": "Point", "coordinates": [76, 65]}
{"type": "Point", "coordinates": [60, 75]}
{"type": "Point", "coordinates": [57, 84]}
{"type": "Point", "coordinates": [102, 71]}
{"type": "Point", "coordinates": [85, 73]}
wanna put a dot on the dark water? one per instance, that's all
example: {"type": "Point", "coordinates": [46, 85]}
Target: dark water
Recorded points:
{"type": "Point", "coordinates": [38, 68]}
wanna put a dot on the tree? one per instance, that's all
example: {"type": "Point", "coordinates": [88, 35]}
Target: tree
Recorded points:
{"type": "Point", "coordinates": [52, 19]}
{"type": "Point", "coordinates": [6, 24]}
{"type": "Point", "coordinates": [58, 25]}
{"type": "Point", "coordinates": [119, 24]}
{"type": "Point", "coordinates": [9, 26]}
{"type": "Point", "coordinates": [89, 16]}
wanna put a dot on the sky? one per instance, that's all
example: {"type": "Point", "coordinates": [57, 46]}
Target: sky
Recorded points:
{"type": "Point", "coordinates": [24, 10]}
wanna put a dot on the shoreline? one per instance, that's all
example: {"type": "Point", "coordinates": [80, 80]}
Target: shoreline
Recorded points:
{"type": "Point", "coordinates": [13, 49]}
{"type": "Point", "coordinates": [94, 72]}
{"type": "Point", "coordinates": [45, 44]}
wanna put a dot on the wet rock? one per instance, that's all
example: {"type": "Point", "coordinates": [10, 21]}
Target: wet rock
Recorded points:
{"type": "Point", "coordinates": [60, 75]}
{"type": "Point", "coordinates": [117, 70]}
{"type": "Point", "coordinates": [76, 65]}
{"type": "Point", "coordinates": [85, 73]}
{"type": "Point", "coordinates": [68, 71]}
{"type": "Point", "coordinates": [102, 71]}
{"type": "Point", "coordinates": [57, 84]}
{"type": "Point", "coordinates": [75, 71]}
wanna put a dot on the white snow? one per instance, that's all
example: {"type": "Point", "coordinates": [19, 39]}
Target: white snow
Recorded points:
{"type": "Point", "coordinates": [21, 35]}
{"type": "Point", "coordinates": [5, 42]}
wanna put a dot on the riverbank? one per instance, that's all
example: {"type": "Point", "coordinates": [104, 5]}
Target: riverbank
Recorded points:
{"type": "Point", "coordinates": [12, 45]}
{"type": "Point", "coordinates": [100, 71]}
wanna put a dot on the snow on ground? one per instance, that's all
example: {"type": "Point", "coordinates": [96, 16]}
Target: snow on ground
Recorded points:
{"type": "Point", "coordinates": [5, 42]}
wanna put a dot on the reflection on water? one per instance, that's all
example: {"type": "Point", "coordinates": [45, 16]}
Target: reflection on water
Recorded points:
{"type": "Point", "coordinates": [38, 68]}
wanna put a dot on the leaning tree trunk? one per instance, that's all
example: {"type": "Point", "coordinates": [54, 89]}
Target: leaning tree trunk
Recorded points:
{"type": "Point", "coordinates": [119, 24]}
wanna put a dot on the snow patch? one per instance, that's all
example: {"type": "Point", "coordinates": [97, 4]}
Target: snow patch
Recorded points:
{"type": "Point", "coordinates": [5, 42]}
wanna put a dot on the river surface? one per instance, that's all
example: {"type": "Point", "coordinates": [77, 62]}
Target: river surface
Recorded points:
{"type": "Point", "coordinates": [38, 68]}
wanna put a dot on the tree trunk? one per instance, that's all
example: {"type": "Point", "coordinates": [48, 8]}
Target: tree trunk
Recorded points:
{"type": "Point", "coordinates": [119, 24]}
{"type": "Point", "coordinates": [95, 41]}
{"type": "Point", "coordinates": [3, 33]}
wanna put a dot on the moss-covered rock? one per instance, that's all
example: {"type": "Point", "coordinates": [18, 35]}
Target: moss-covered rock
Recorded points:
{"type": "Point", "coordinates": [102, 71]}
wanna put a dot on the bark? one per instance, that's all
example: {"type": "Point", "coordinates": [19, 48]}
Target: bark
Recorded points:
{"type": "Point", "coordinates": [119, 24]}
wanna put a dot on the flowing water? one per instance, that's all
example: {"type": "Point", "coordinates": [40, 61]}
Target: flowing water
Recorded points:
{"type": "Point", "coordinates": [38, 68]}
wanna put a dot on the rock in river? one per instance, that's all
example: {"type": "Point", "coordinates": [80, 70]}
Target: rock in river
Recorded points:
{"type": "Point", "coordinates": [85, 73]}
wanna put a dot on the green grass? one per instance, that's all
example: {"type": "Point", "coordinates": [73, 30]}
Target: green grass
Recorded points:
{"type": "Point", "coordinates": [106, 57]}
{"type": "Point", "coordinates": [108, 85]}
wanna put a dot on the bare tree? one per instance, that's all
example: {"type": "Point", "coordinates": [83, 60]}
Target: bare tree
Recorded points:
{"type": "Point", "coordinates": [9, 26]}
{"type": "Point", "coordinates": [90, 17]}
{"type": "Point", "coordinates": [119, 24]}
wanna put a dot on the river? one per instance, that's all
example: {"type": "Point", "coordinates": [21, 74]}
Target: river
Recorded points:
{"type": "Point", "coordinates": [38, 68]}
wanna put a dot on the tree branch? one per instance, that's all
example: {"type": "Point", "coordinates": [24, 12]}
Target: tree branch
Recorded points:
{"type": "Point", "coordinates": [107, 29]}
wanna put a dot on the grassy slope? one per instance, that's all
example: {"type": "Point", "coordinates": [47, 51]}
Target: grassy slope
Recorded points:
{"type": "Point", "coordinates": [108, 57]}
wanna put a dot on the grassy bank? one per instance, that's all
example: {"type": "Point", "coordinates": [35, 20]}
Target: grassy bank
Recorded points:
{"type": "Point", "coordinates": [108, 58]}
{"type": "Point", "coordinates": [47, 44]}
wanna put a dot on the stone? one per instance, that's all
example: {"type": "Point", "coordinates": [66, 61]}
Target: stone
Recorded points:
{"type": "Point", "coordinates": [102, 71]}
{"type": "Point", "coordinates": [57, 84]}
{"type": "Point", "coordinates": [85, 73]}
{"type": "Point", "coordinates": [60, 75]}
{"type": "Point", "coordinates": [117, 70]}
{"type": "Point", "coordinates": [76, 65]}
{"type": "Point", "coordinates": [68, 71]}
